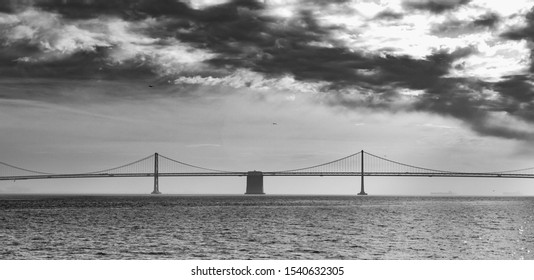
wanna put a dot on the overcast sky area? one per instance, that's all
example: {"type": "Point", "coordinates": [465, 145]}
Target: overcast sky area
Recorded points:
{"type": "Point", "coordinates": [91, 84]}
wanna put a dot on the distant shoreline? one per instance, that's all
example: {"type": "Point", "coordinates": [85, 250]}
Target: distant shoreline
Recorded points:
{"type": "Point", "coordinates": [449, 193]}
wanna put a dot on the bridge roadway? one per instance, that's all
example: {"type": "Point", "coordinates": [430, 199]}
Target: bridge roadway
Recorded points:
{"type": "Point", "coordinates": [242, 174]}
{"type": "Point", "coordinates": [352, 165]}
{"type": "Point", "coordinates": [255, 178]}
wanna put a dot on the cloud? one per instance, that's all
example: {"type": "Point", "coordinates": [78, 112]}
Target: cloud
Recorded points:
{"type": "Point", "coordinates": [353, 54]}
{"type": "Point", "coordinates": [519, 88]}
{"type": "Point", "coordinates": [45, 44]}
{"type": "Point", "coordinates": [454, 27]}
{"type": "Point", "coordinates": [389, 15]}
{"type": "Point", "coordinates": [516, 94]}
{"type": "Point", "coordinates": [11, 6]}
{"type": "Point", "coordinates": [132, 9]}
{"type": "Point", "coordinates": [210, 10]}
{"type": "Point", "coordinates": [487, 20]}
{"type": "Point", "coordinates": [524, 32]}
{"type": "Point", "coordinates": [249, 79]}
{"type": "Point", "coordinates": [52, 37]}
{"type": "Point", "coordinates": [434, 6]}
{"type": "Point", "coordinates": [477, 105]}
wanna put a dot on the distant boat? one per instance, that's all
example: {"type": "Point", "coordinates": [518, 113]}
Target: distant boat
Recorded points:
{"type": "Point", "coordinates": [449, 193]}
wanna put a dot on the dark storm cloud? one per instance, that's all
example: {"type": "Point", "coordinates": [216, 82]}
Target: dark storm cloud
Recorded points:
{"type": "Point", "coordinates": [290, 50]}
{"type": "Point", "coordinates": [5, 7]}
{"type": "Point", "coordinates": [462, 99]}
{"type": "Point", "coordinates": [517, 87]}
{"type": "Point", "coordinates": [240, 36]}
{"type": "Point", "coordinates": [263, 45]}
{"type": "Point", "coordinates": [208, 28]}
{"type": "Point", "coordinates": [487, 20]}
{"type": "Point", "coordinates": [260, 44]}
{"type": "Point", "coordinates": [421, 73]}
{"type": "Point", "coordinates": [340, 66]}
{"type": "Point", "coordinates": [9, 53]}
{"type": "Point", "coordinates": [83, 9]}
{"type": "Point", "coordinates": [433, 6]}
{"type": "Point", "coordinates": [517, 96]}
{"type": "Point", "coordinates": [521, 33]}
{"type": "Point", "coordinates": [389, 15]}
{"type": "Point", "coordinates": [138, 9]}
{"type": "Point", "coordinates": [453, 28]}
{"type": "Point", "coordinates": [86, 9]}
{"type": "Point", "coordinates": [11, 6]}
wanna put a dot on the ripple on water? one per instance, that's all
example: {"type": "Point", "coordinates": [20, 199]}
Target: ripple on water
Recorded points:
{"type": "Point", "coordinates": [269, 227]}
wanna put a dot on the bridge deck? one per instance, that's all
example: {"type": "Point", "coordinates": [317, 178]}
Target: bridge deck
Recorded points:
{"type": "Point", "coordinates": [279, 174]}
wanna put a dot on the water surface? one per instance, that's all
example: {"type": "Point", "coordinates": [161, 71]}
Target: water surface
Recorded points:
{"type": "Point", "coordinates": [265, 227]}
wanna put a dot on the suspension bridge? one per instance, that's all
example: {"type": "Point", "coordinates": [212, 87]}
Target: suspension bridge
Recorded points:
{"type": "Point", "coordinates": [360, 164]}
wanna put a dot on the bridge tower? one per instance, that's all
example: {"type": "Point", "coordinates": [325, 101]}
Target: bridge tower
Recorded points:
{"type": "Point", "coordinates": [362, 190]}
{"type": "Point", "coordinates": [254, 182]}
{"type": "Point", "coordinates": [156, 175]}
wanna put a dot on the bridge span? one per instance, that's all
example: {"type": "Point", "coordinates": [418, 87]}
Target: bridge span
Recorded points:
{"type": "Point", "coordinates": [360, 164]}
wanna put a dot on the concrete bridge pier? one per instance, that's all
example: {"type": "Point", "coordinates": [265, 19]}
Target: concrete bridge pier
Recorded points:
{"type": "Point", "coordinates": [254, 182]}
{"type": "Point", "coordinates": [362, 189]}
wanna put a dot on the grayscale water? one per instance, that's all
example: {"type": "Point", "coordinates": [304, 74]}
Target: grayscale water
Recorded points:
{"type": "Point", "coordinates": [266, 227]}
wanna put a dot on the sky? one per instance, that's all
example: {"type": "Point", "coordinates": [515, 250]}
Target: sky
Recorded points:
{"type": "Point", "coordinates": [267, 85]}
